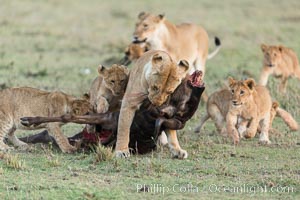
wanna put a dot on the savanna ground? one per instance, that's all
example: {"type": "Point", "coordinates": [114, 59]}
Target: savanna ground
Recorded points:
{"type": "Point", "coordinates": [59, 44]}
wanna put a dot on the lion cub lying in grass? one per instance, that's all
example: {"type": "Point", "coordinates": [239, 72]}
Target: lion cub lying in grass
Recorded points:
{"type": "Point", "coordinates": [217, 109]}
{"type": "Point", "coordinates": [24, 101]}
{"type": "Point", "coordinates": [281, 62]}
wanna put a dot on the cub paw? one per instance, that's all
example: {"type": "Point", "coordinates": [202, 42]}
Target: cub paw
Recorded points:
{"type": "Point", "coordinates": [179, 153]}
{"type": "Point", "coordinates": [122, 154]}
{"type": "Point", "coordinates": [102, 106]}
{"type": "Point", "coordinates": [264, 142]}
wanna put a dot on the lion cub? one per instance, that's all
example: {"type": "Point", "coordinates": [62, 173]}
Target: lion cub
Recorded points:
{"type": "Point", "coordinates": [134, 51]}
{"type": "Point", "coordinates": [108, 88]}
{"type": "Point", "coordinates": [249, 102]}
{"type": "Point", "coordinates": [217, 108]}
{"type": "Point", "coordinates": [154, 76]}
{"type": "Point", "coordinates": [280, 61]}
{"type": "Point", "coordinates": [25, 101]}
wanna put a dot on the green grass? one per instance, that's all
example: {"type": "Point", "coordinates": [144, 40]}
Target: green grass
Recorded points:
{"type": "Point", "coordinates": [50, 44]}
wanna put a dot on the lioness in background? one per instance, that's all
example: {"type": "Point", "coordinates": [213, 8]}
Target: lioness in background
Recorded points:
{"type": "Point", "coordinates": [184, 41]}
{"type": "Point", "coordinates": [154, 76]}
{"type": "Point", "coordinates": [24, 101]}
{"type": "Point", "coordinates": [280, 61]}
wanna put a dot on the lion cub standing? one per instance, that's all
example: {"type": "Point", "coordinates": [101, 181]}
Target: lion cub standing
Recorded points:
{"type": "Point", "coordinates": [24, 101]}
{"type": "Point", "coordinates": [249, 102]}
{"type": "Point", "coordinates": [280, 61]}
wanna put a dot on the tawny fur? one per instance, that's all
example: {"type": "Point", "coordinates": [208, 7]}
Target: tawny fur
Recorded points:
{"type": "Point", "coordinates": [107, 90]}
{"type": "Point", "coordinates": [280, 61]}
{"type": "Point", "coordinates": [184, 41]}
{"type": "Point", "coordinates": [154, 76]}
{"type": "Point", "coordinates": [24, 101]}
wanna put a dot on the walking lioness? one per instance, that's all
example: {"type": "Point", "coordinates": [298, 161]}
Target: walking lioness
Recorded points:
{"type": "Point", "coordinates": [154, 76]}
{"type": "Point", "coordinates": [183, 41]}
{"type": "Point", "coordinates": [24, 101]}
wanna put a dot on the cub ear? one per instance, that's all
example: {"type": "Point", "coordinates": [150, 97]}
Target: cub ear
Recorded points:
{"type": "Point", "coordinates": [250, 83]}
{"type": "Point", "coordinates": [101, 70]}
{"type": "Point", "coordinates": [86, 96]}
{"type": "Point", "coordinates": [231, 81]}
{"type": "Point", "coordinates": [263, 47]}
{"type": "Point", "coordinates": [280, 48]}
{"type": "Point", "coordinates": [126, 70]}
{"type": "Point", "coordinates": [275, 105]}
{"type": "Point", "coordinates": [81, 107]}
{"type": "Point", "coordinates": [183, 64]}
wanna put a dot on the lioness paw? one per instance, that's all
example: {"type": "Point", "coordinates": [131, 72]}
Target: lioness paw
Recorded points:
{"type": "Point", "coordinates": [179, 153]}
{"type": "Point", "coordinates": [70, 149]}
{"type": "Point", "coordinates": [122, 154]}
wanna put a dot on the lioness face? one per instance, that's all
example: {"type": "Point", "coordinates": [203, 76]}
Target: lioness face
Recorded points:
{"type": "Point", "coordinates": [272, 55]}
{"type": "Point", "coordinates": [115, 78]}
{"type": "Point", "coordinates": [240, 91]}
{"type": "Point", "coordinates": [147, 27]}
{"type": "Point", "coordinates": [165, 78]}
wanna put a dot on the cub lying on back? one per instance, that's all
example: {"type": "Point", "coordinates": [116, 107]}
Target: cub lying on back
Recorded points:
{"type": "Point", "coordinates": [24, 101]}
{"type": "Point", "coordinates": [280, 61]}
{"type": "Point", "coordinates": [108, 88]}
{"type": "Point", "coordinates": [154, 76]}
{"type": "Point", "coordinates": [217, 109]}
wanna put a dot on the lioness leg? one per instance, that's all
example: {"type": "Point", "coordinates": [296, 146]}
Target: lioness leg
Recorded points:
{"type": "Point", "coordinates": [174, 146]}
{"type": "Point", "coordinates": [63, 143]}
{"type": "Point", "coordinates": [125, 120]}
{"type": "Point", "coordinates": [265, 125]}
{"type": "Point", "coordinates": [283, 84]}
{"type": "Point", "coordinates": [265, 73]}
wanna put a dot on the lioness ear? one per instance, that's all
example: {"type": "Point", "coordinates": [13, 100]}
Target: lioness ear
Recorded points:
{"type": "Point", "coordinates": [184, 65]}
{"type": "Point", "coordinates": [141, 15]}
{"type": "Point", "coordinates": [263, 47]}
{"type": "Point", "coordinates": [157, 60]}
{"type": "Point", "coordinates": [159, 17]}
{"type": "Point", "coordinates": [275, 105]}
{"type": "Point", "coordinates": [250, 83]}
{"type": "Point", "coordinates": [231, 81]}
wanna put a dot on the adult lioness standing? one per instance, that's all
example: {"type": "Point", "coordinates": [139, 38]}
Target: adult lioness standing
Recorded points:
{"type": "Point", "coordinates": [183, 41]}
{"type": "Point", "coordinates": [154, 76]}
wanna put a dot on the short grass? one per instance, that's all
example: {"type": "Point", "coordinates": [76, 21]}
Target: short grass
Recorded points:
{"type": "Point", "coordinates": [59, 44]}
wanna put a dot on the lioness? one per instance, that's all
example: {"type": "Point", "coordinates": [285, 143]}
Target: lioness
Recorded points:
{"type": "Point", "coordinates": [184, 41]}
{"type": "Point", "coordinates": [281, 62]}
{"type": "Point", "coordinates": [217, 108]}
{"type": "Point", "coordinates": [155, 75]}
{"type": "Point", "coordinates": [24, 101]}
{"type": "Point", "coordinates": [107, 90]}
{"type": "Point", "coordinates": [249, 102]}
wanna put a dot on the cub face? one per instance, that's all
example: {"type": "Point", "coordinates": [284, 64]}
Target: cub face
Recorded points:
{"type": "Point", "coordinates": [134, 51]}
{"type": "Point", "coordinates": [240, 91]}
{"type": "Point", "coordinates": [164, 77]}
{"type": "Point", "coordinates": [272, 55]}
{"type": "Point", "coordinates": [147, 26]}
{"type": "Point", "coordinates": [115, 78]}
